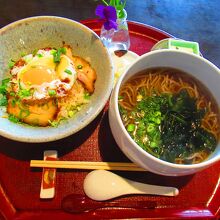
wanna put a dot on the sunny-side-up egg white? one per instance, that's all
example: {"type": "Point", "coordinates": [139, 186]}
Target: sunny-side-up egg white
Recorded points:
{"type": "Point", "coordinates": [44, 76]}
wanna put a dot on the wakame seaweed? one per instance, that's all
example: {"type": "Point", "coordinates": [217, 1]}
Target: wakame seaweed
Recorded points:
{"type": "Point", "coordinates": [169, 126]}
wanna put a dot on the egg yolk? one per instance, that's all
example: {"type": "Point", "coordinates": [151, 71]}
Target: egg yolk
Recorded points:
{"type": "Point", "coordinates": [38, 75]}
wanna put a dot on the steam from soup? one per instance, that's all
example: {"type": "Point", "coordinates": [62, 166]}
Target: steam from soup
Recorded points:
{"type": "Point", "coordinates": [170, 115]}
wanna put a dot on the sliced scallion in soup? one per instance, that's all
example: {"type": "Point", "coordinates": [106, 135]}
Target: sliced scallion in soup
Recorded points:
{"type": "Point", "coordinates": [170, 115]}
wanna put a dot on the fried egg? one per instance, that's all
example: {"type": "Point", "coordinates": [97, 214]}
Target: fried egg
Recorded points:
{"type": "Point", "coordinates": [44, 77]}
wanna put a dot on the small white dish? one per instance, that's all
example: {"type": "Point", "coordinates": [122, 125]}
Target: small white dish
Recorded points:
{"type": "Point", "coordinates": [122, 63]}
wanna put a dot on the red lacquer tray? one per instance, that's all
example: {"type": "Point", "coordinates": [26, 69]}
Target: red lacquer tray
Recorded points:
{"type": "Point", "coordinates": [199, 196]}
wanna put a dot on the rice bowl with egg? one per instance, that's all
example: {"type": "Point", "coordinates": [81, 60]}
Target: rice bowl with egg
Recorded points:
{"type": "Point", "coordinates": [42, 32]}
{"type": "Point", "coordinates": [47, 86]}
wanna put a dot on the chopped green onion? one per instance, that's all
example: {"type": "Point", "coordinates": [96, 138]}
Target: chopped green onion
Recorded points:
{"type": "Point", "coordinates": [52, 92]}
{"type": "Point", "coordinates": [68, 71]}
{"type": "Point", "coordinates": [23, 54]}
{"type": "Point", "coordinates": [56, 57]}
{"type": "Point", "coordinates": [34, 52]}
{"type": "Point", "coordinates": [13, 118]}
{"type": "Point", "coordinates": [63, 50]}
{"type": "Point", "coordinates": [131, 127]}
{"type": "Point", "coordinates": [157, 121]}
{"type": "Point", "coordinates": [157, 113]}
{"type": "Point", "coordinates": [12, 93]}
{"type": "Point", "coordinates": [5, 81]}
{"type": "Point", "coordinates": [170, 100]}
{"type": "Point", "coordinates": [79, 67]}
{"type": "Point", "coordinates": [3, 101]}
{"type": "Point", "coordinates": [11, 64]}
{"type": "Point", "coordinates": [40, 55]}
{"type": "Point", "coordinates": [78, 108]}
{"type": "Point", "coordinates": [27, 59]}
{"type": "Point", "coordinates": [13, 102]}
{"type": "Point", "coordinates": [4, 85]}
{"type": "Point", "coordinates": [87, 95]}
{"type": "Point", "coordinates": [19, 84]}
{"type": "Point", "coordinates": [153, 145]}
{"type": "Point", "coordinates": [70, 113]}
{"type": "Point", "coordinates": [58, 53]}
{"type": "Point", "coordinates": [53, 123]}
{"type": "Point", "coordinates": [22, 93]}
{"type": "Point", "coordinates": [24, 113]}
{"type": "Point", "coordinates": [53, 51]}
{"type": "Point", "coordinates": [150, 128]}
{"type": "Point", "coordinates": [120, 98]}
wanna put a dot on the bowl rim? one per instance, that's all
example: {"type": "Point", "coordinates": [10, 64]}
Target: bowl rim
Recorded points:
{"type": "Point", "coordinates": [37, 17]}
{"type": "Point", "coordinates": [60, 135]}
{"type": "Point", "coordinates": [201, 165]}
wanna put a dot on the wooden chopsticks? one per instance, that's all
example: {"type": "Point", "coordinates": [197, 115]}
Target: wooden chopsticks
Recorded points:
{"type": "Point", "coordinates": [86, 165]}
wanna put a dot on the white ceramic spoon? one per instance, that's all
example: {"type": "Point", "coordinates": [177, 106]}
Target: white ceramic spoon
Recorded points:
{"type": "Point", "coordinates": [102, 185]}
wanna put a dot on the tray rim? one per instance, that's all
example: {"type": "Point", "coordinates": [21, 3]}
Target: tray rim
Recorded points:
{"type": "Point", "coordinates": [209, 211]}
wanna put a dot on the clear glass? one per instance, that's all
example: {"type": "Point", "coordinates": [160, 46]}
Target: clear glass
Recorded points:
{"type": "Point", "coordinates": [117, 39]}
